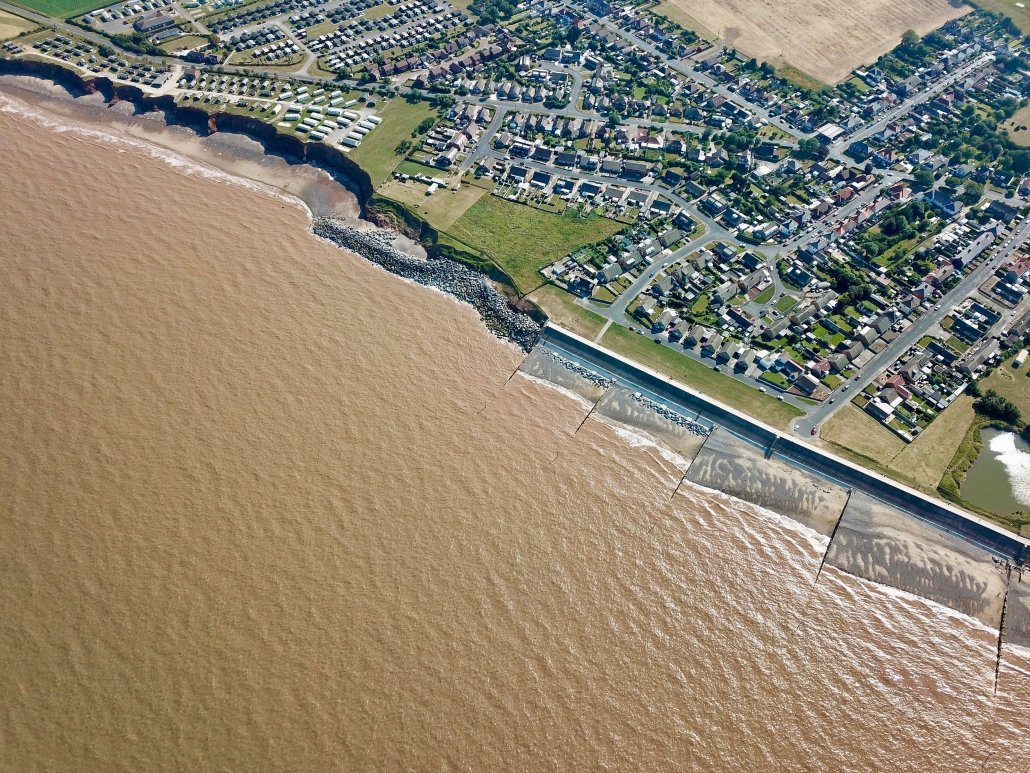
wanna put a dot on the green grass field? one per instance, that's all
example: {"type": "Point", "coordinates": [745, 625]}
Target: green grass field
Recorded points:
{"type": "Point", "coordinates": [62, 9]}
{"type": "Point", "coordinates": [674, 13]}
{"type": "Point", "coordinates": [562, 310]}
{"type": "Point", "coordinates": [377, 153]}
{"type": "Point", "coordinates": [1011, 8]}
{"type": "Point", "coordinates": [522, 240]}
{"type": "Point", "coordinates": [441, 209]}
{"type": "Point", "coordinates": [692, 373]}
{"type": "Point", "coordinates": [1018, 127]}
{"type": "Point", "coordinates": [1011, 383]}
{"type": "Point", "coordinates": [800, 78]}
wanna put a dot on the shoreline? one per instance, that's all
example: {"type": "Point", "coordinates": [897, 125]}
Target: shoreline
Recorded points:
{"type": "Point", "coordinates": [856, 530]}
{"type": "Point", "coordinates": [339, 205]}
{"type": "Point", "coordinates": [876, 529]}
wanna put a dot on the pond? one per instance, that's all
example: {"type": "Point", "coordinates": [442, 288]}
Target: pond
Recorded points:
{"type": "Point", "coordinates": [999, 480]}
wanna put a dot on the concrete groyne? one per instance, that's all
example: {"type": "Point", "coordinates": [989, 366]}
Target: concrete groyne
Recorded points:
{"type": "Point", "coordinates": [876, 528]}
{"type": "Point", "coordinates": [777, 446]}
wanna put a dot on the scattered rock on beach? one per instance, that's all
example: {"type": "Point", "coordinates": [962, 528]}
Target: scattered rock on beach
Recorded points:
{"type": "Point", "coordinates": [579, 370]}
{"type": "Point", "coordinates": [678, 419]}
{"type": "Point", "coordinates": [460, 281]}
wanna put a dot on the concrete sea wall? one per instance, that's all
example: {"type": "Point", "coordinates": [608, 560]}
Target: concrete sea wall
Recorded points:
{"type": "Point", "coordinates": [791, 452]}
{"type": "Point", "coordinates": [877, 529]}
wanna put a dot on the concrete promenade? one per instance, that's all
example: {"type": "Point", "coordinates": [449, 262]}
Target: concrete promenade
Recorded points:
{"type": "Point", "coordinates": [773, 443]}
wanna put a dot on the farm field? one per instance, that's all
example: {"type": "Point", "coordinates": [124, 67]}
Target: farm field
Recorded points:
{"type": "Point", "coordinates": [11, 26]}
{"type": "Point", "coordinates": [824, 39]}
{"type": "Point", "coordinates": [62, 9]}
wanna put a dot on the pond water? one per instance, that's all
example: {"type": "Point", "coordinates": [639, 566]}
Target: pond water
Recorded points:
{"type": "Point", "coordinates": [999, 479]}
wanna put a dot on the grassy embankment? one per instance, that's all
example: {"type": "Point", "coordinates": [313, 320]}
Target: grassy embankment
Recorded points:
{"type": "Point", "coordinates": [12, 26]}
{"type": "Point", "coordinates": [1012, 384]}
{"type": "Point", "coordinates": [854, 434]}
{"type": "Point", "coordinates": [920, 464]}
{"type": "Point", "coordinates": [937, 461]}
{"type": "Point", "coordinates": [701, 377]}
{"type": "Point", "coordinates": [62, 9]}
{"type": "Point", "coordinates": [562, 310]}
{"type": "Point", "coordinates": [439, 210]}
{"type": "Point", "coordinates": [800, 78]}
{"type": "Point", "coordinates": [377, 153]}
{"type": "Point", "coordinates": [522, 240]}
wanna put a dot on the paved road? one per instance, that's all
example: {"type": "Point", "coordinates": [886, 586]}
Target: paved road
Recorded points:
{"type": "Point", "coordinates": [486, 141]}
{"type": "Point", "coordinates": [916, 330]}
{"type": "Point", "coordinates": [842, 213]}
{"type": "Point", "coordinates": [166, 61]}
{"type": "Point", "coordinates": [688, 71]}
{"type": "Point", "coordinates": [902, 108]}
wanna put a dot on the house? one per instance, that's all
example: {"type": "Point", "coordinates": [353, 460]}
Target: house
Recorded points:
{"type": "Point", "coordinates": [609, 273]}
{"type": "Point", "coordinates": [726, 351]}
{"type": "Point", "coordinates": [944, 203]}
{"type": "Point", "coordinates": [745, 361]}
{"type": "Point", "coordinates": [978, 356]}
{"type": "Point", "coordinates": [636, 170]}
{"type": "Point", "coordinates": [807, 384]}
{"type": "Point", "coordinates": [712, 345]}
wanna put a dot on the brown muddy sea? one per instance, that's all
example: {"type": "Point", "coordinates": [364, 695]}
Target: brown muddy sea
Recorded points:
{"type": "Point", "coordinates": [267, 507]}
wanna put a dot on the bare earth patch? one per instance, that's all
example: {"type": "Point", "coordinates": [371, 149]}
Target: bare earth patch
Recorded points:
{"type": "Point", "coordinates": [825, 38]}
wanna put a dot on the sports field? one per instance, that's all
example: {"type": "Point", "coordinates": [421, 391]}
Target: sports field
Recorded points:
{"type": "Point", "coordinates": [824, 38]}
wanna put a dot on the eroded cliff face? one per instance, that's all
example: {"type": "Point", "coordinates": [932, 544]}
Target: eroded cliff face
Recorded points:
{"type": "Point", "coordinates": [202, 121]}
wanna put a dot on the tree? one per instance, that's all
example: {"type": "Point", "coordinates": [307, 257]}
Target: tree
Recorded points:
{"type": "Point", "coordinates": [809, 146]}
{"type": "Point", "coordinates": [994, 406]}
{"type": "Point", "coordinates": [403, 147]}
{"type": "Point", "coordinates": [922, 179]}
{"type": "Point", "coordinates": [972, 193]}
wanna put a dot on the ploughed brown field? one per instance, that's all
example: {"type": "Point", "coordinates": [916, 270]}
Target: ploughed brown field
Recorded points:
{"type": "Point", "coordinates": [824, 38]}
